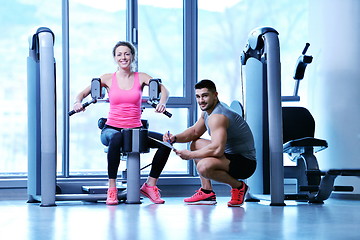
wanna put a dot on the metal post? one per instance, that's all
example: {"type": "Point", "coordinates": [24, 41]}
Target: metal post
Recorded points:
{"type": "Point", "coordinates": [256, 118]}
{"type": "Point", "coordinates": [42, 118]}
{"type": "Point", "coordinates": [133, 168]}
{"type": "Point", "coordinates": [66, 87]}
{"type": "Point", "coordinates": [33, 95]}
{"type": "Point", "coordinates": [48, 118]}
{"type": "Point", "coordinates": [190, 70]}
{"type": "Point", "coordinates": [264, 112]}
{"type": "Point", "coordinates": [272, 50]}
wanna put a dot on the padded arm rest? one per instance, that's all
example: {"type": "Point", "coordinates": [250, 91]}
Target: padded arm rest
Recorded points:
{"type": "Point", "coordinates": [344, 172]}
{"type": "Point", "coordinates": [298, 145]}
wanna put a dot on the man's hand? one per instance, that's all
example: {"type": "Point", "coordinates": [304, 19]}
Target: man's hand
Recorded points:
{"type": "Point", "coordinates": [168, 137]}
{"type": "Point", "coordinates": [184, 154]}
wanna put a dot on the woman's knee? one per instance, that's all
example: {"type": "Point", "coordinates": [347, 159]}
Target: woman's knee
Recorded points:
{"type": "Point", "coordinates": [104, 139]}
{"type": "Point", "coordinates": [116, 140]}
{"type": "Point", "coordinates": [106, 135]}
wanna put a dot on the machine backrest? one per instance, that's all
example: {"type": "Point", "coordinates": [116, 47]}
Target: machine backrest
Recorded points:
{"type": "Point", "coordinates": [237, 107]}
{"type": "Point", "coordinates": [297, 123]}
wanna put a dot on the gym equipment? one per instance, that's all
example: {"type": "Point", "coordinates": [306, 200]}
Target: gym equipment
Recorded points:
{"type": "Point", "coordinates": [293, 126]}
{"type": "Point", "coordinates": [301, 64]}
{"type": "Point", "coordinates": [42, 130]}
{"type": "Point", "coordinates": [41, 117]}
{"type": "Point", "coordinates": [153, 100]}
{"type": "Point", "coordinates": [300, 144]}
{"type": "Point", "coordinates": [96, 93]}
{"type": "Point", "coordinates": [134, 144]}
{"type": "Point", "coordinates": [154, 92]}
{"type": "Point", "coordinates": [263, 111]}
{"type": "Point", "coordinates": [237, 107]}
{"type": "Point", "coordinates": [42, 123]}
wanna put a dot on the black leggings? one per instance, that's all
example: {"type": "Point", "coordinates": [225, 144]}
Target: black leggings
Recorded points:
{"type": "Point", "coordinates": [160, 158]}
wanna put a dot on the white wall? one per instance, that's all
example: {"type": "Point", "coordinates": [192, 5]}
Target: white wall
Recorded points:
{"type": "Point", "coordinates": [334, 91]}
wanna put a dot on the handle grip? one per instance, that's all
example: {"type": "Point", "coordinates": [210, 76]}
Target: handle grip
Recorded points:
{"type": "Point", "coordinates": [84, 106]}
{"type": "Point", "coordinates": [71, 112]}
{"type": "Point", "coordinates": [154, 106]}
{"type": "Point", "coordinates": [307, 45]}
{"type": "Point", "coordinates": [167, 114]}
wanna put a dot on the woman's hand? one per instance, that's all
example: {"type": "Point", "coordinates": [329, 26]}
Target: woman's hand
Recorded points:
{"type": "Point", "coordinates": [160, 108]}
{"type": "Point", "coordinates": [78, 107]}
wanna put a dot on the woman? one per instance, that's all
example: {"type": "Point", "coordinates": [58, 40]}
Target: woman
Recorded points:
{"type": "Point", "coordinates": [125, 91]}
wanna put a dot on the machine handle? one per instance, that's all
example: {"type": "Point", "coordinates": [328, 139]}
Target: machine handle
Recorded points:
{"type": "Point", "coordinates": [84, 106]}
{"type": "Point", "coordinates": [306, 48]}
{"type": "Point", "coordinates": [301, 64]}
{"type": "Point", "coordinates": [153, 104]}
{"type": "Point", "coordinates": [168, 114]}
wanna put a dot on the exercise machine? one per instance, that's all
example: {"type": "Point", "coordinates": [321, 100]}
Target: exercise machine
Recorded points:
{"type": "Point", "coordinates": [42, 141]}
{"type": "Point", "coordinates": [41, 117]}
{"type": "Point", "coordinates": [279, 130]}
{"type": "Point", "coordinates": [98, 93]}
{"type": "Point", "coordinates": [261, 58]}
{"type": "Point", "coordinates": [313, 185]}
{"type": "Point", "coordinates": [134, 142]}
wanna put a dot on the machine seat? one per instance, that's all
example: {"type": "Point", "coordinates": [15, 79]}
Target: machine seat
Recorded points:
{"type": "Point", "coordinates": [299, 145]}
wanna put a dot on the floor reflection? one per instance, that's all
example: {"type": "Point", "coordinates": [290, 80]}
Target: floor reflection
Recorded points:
{"type": "Point", "coordinates": [174, 220]}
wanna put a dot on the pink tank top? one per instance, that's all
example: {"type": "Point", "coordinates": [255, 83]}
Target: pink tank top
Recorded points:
{"type": "Point", "coordinates": [125, 105]}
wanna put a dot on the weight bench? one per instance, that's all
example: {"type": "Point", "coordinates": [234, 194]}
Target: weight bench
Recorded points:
{"type": "Point", "coordinates": [313, 185]}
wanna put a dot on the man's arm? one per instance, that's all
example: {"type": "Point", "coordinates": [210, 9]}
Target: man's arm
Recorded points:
{"type": "Point", "coordinates": [192, 133]}
{"type": "Point", "coordinates": [218, 124]}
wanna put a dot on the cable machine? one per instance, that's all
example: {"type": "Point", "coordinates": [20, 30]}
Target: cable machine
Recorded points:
{"type": "Point", "coordinates": [261, 58]}
{"type": "Point", "coordinates": [42, 140]}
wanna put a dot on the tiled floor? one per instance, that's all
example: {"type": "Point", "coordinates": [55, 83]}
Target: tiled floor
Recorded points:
{"type": "Point", "coordinates": [336, 219]}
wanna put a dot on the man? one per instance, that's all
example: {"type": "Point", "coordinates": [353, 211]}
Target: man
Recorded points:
{"type": "Point", "coordinates": [227, 157]}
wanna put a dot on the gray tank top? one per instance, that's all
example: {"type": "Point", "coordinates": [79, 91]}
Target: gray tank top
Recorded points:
{"type": "Point", "coordinates": [240, 139]}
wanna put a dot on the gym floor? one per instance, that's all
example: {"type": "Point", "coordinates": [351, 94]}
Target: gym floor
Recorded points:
{"type": "Point", "coordinates": [336, 219]}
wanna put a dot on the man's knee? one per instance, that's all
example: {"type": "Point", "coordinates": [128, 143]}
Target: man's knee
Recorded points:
{"type": "Point", "coordinates": [204, 169]}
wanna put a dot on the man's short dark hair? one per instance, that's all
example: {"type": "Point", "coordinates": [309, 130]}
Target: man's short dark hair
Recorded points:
{"type": "Point", "coordinates": [206, 83]}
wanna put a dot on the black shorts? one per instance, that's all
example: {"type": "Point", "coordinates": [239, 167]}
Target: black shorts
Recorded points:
{"type": "Point", "coordinates": [240, 167]}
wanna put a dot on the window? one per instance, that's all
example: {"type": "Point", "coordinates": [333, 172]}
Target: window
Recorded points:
{"type": "Point", "coordinates": [224, 30]}
{"type": "Point", "coordinates": [160, 50]}
{"type": "Point", "coordinates": [223, 33]}
{"type": "Point", "coordinates": [15, 31]}
{"type": "Point", "coordinates": [94, 29]}
{"type": "Point", "coordinates": [160, 54]}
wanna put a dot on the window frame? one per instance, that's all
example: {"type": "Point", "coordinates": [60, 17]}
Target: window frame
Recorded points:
{"type": "Point", "coordinates": [189, 72]}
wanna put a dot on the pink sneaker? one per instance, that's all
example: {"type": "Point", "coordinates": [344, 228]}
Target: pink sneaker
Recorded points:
{"type": "Point", "coordinates": [152, 193]}
{"type": "Point", "coordinates": [238, 196]}
{"type": "Point", "coordinates": [112, 196]}
{"type": "Point", "coordinates": [201, 198]}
